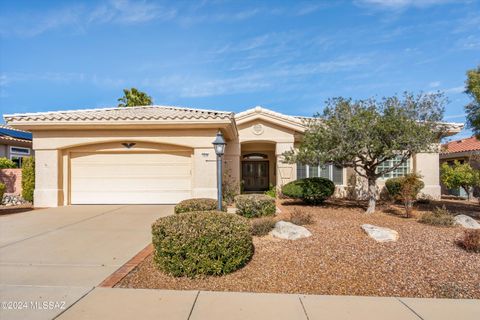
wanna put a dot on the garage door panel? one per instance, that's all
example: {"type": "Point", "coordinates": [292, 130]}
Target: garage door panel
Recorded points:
{"type": "Point", "coordinates": [134, 184]}
{"type": "Point", "coordinates": [120, 171]}
{"type": "Point", "coordinates": [130, 178]}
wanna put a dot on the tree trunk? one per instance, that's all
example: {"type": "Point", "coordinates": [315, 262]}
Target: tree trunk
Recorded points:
{"type": "Point", "coordinates": [467, 190]}
{"type": "Point", "coordinates": [372, 195]}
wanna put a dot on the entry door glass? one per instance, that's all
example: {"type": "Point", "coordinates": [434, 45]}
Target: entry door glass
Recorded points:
{"type": "Point", "coordinates": [255, 175]}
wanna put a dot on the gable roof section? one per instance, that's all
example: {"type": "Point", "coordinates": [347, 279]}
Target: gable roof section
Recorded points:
{"type": "Point", "coordinates": [463, 145]}
{"type": "Point", "coordinates": [294, 123]}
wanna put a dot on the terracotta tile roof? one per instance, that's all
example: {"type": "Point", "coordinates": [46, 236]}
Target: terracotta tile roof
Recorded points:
{"type": "Point", "coordinates": [128, 113]}
{"type": "Point", "coordinates": [463, 145]}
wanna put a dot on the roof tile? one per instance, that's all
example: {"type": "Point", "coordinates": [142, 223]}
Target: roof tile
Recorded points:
{"type": "Point", "coordinates": [125, 113]}
{"type": "Point", "coordinates": [463, 145]}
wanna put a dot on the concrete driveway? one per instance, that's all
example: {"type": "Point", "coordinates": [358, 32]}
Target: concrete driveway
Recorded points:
{"type": "Point", "coordinates": [52, 257]}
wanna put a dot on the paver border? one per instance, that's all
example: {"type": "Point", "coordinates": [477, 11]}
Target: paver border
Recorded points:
{"type": "Point", "coordinates": [125, 269]}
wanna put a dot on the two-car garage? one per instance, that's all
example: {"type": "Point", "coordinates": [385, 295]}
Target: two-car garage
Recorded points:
{"type": "Point", "coordinates": [134, 155]}
{"type": "Point", "coordinates": [130, 177]}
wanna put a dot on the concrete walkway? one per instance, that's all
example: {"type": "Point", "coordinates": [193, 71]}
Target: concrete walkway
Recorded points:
{"type": "Point", "coordinates": [145, 304]}
{"type": "Point", "coordinates": [58, 255]}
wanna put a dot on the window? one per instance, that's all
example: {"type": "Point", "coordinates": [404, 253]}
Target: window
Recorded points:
{"type": "Point", "coordinates": [255, 156]}
{"type": "Point", "coordinates": [402, 170]}
{"type": "Point", "coordinates": [17, 154]}
{"type": "Point", "coordinates": [19, 150]}
{"type": "Point", "coordinates": [328, 171]}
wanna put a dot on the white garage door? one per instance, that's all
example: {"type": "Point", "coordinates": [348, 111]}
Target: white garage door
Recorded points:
{"type": "Point", "coordinates": [130, 178]}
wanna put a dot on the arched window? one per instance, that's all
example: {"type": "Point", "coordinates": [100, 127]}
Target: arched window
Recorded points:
{"type": "Point", "coordinates": [255, 156]}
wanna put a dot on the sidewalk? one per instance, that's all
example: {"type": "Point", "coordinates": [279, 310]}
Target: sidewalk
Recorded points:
{"type": "Point", "coordinates": [116, 303]}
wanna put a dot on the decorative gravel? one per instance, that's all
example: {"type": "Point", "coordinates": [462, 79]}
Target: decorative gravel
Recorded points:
{"type": "Point", "coordinates": [340, 259]}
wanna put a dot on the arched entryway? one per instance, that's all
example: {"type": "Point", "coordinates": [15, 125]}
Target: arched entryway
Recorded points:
{"type": "Point", "coordinates": [258, 166]}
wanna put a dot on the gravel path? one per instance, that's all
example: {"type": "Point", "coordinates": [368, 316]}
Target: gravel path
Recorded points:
{"type": "Point", "coordinates": [339, 259]}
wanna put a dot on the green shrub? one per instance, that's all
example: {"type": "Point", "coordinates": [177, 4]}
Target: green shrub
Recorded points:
{"type": "Point", "coordinates": [395, 186]}
{"type": "Point", "coordinates": [255, 205]}
{"type": "Point", "coordinates": [300, 217]}
{"type": "Point", "coordinates": [310, 190]}
{"type": "Point", "coordinates": [271, 192]}
{"type": "Point", "coordinates": [262, 226]}
{"type": "Point", "coordinates": [28, 178]}
{"type": "Point", "coordinates": [7, 163]}
{"type": "Point", "coordinates": [438, 217]}
{"type": "Point", "coordinates": [198, 204]}
{"type": "Point", "coordinates": [3, 187]}
{"type": "Point", "coordinates": [470, 240]}
{"type": "Point", "coordinates": [202, 243]}
{"type": "Point", "coordinates": [405, 189]}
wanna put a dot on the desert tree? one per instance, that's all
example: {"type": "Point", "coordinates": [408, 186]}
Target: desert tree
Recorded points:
{"type": "Point", "coordinates": [364, 134]}
{"type": "Point", "coordinates": [473, 108]}
{"type": "Point", "coordinates": [460, 175]}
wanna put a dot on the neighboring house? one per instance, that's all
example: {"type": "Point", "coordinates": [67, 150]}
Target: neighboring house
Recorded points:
{"type": "Point", "coordinates": [159, 154]}
{"type": "Point", "coordinates": [15, 144]}
{"type": "Point", "coordinates": [464, 151]}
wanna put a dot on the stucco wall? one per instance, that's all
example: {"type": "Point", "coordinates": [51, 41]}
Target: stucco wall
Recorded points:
{"type": "Point", "coordinates": [261, 134]}
{"type": "Point", "coordinates": [53, 147]}
{"type": "Point", "coordinates": [425, 164]}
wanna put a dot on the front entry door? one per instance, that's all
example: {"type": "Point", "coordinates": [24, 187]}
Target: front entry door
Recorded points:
{"type": "Point", "coordinates": [255, 175]}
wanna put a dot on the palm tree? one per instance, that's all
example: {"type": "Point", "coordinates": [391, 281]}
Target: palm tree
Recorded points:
{"type": "Point", "coordinates": [134, 97]}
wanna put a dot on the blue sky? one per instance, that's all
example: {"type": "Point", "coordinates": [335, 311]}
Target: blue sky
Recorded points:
{"type": "Point", "coordinates": [289, 56]}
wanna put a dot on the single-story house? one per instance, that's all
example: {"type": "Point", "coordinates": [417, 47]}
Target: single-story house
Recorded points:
{"type": "Point", "coordinates": [464, 151]}
{"type": "Point", "coordinates": [161, 154]}
{"type": "Point", "coordinates": [15, 144]}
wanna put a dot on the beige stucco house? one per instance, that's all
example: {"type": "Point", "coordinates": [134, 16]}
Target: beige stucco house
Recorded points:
{"type": "Point", "coordinates": [158, 154]}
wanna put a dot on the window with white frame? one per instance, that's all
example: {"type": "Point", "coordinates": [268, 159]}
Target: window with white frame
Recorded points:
{"type": "Point", "coordinates": [401, 171]}
{"type": "Point", "coordinates": [17, 154]}
{"type": "Point", "coordinates": [328, 171]}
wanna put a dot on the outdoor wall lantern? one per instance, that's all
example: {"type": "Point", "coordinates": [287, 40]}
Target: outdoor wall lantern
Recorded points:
{"type": "Point", "coordinates": [219, 146]}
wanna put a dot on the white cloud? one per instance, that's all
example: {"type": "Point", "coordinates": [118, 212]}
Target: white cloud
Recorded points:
{"type": "Point", "coordinates": [249, 80]}
{"type": "Point", "coordinates": [434, 84]}
{"type": "Point", "coordinates": [471, 42]}
{"type": "Point", "coordinates": [459, 89]}
{"type": "Point", "coordinates": [455, 116]}
{"type": "Point", "coordinates": [79, 17]}
{"type": "Point", "coordinates": [401, 4]}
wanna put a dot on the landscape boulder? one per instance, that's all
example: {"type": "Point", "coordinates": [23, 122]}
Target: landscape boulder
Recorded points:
{"type": "Point", "coordinates": [467, 222]}
{"type": "Point", "coordinates": [289, 231]}
{"type": "Point", "coordinates": [380, 234]}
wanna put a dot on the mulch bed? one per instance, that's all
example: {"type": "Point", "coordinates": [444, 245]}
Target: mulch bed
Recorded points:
{"type": "Point", "coordinates": [339, 259]}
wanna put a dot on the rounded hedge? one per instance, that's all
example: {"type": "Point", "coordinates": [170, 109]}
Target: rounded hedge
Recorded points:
{"type": "Point", "coordinates": [202, 243]}
{"type": "Point", "coordinates": [255, 205]}
{"type": "Point", "coordinates": [395, 186]}
{"type": "Point", "coordinates": [310, 190]}
{"type": "Point", "coordinates": [198, 204]}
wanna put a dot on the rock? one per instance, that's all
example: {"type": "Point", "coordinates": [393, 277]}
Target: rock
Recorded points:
{"type": "Point", "coordinates": [12, 200]}
{"type": "Point", "coordinates": [467, 222]}
{"type": "Point", "coordinates": [289, 231]}
{"type": "Point", "coordinates": [380, 234]}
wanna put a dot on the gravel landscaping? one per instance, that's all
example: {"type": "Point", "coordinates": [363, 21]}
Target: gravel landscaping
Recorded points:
{"type": "Point", "coordinates": [340, 259]}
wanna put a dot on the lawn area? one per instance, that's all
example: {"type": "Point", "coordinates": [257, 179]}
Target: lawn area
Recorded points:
{"type": "Point", "coordinates": [340, 259]}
